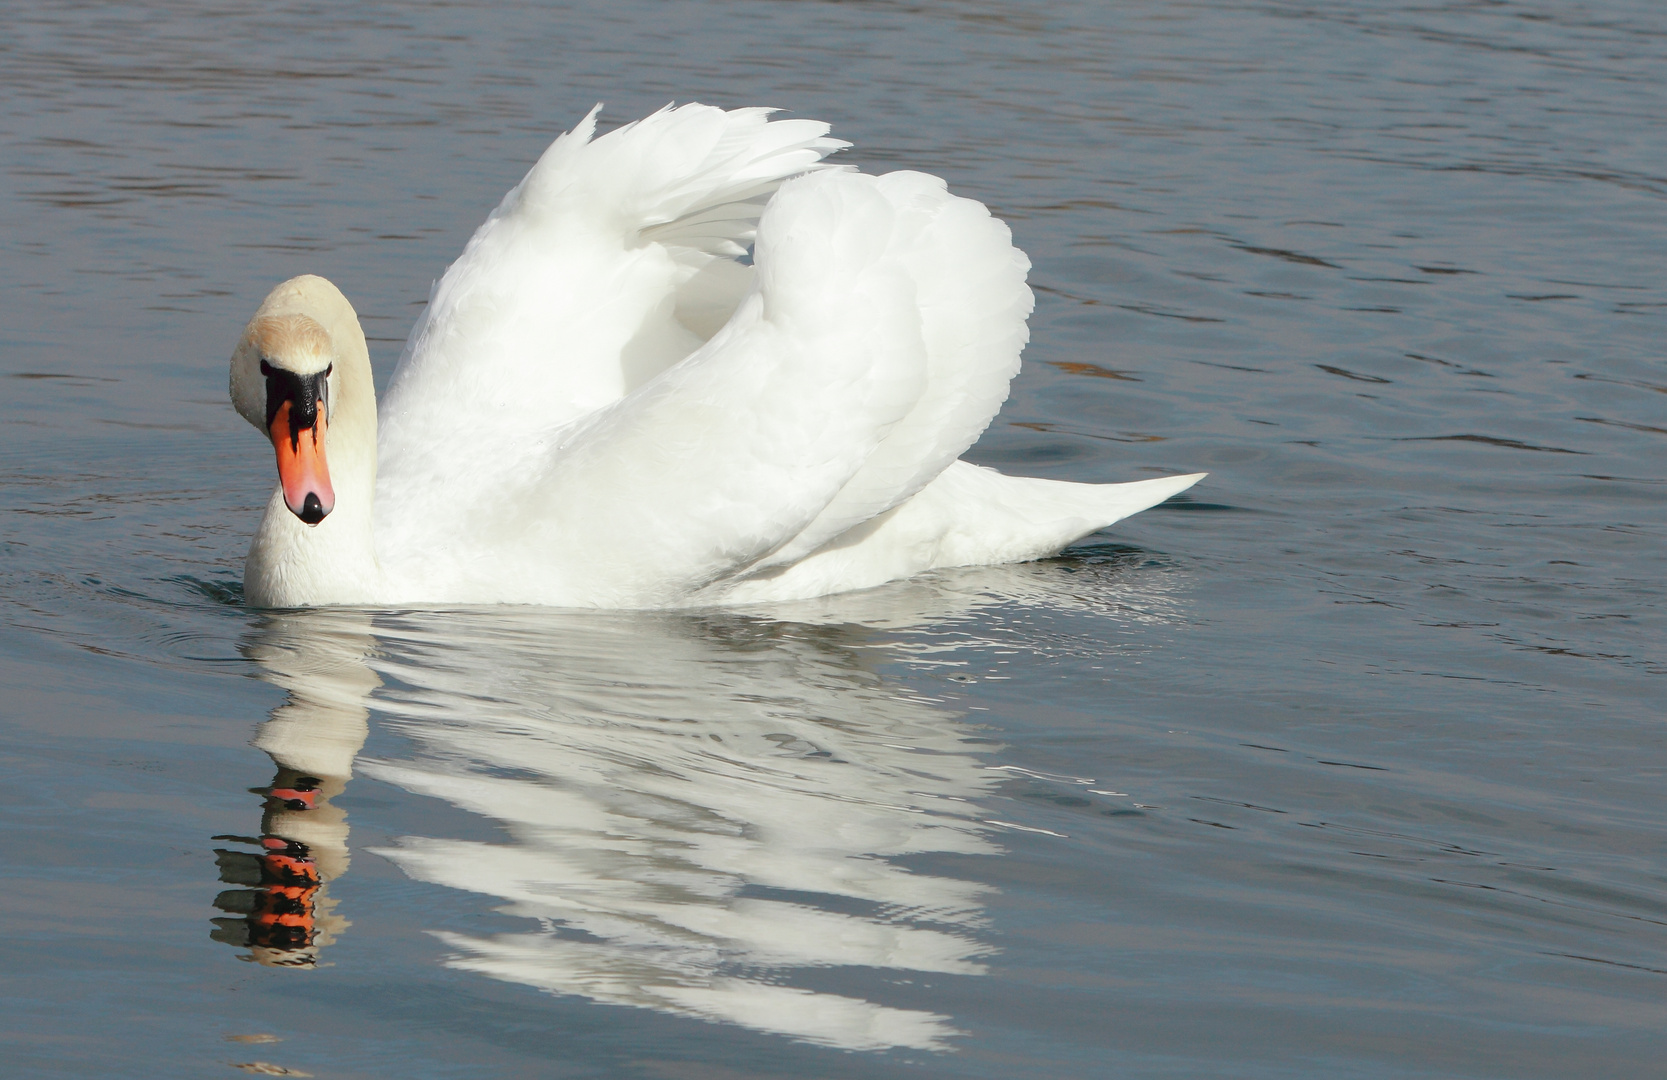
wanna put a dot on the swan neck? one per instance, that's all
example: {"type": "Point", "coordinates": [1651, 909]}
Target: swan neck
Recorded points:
{"type": "Point", "coordinates": [293, 564]}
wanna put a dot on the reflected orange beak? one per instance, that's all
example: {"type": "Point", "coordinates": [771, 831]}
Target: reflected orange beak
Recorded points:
{"type": "Point", "coordinates": [301, 468]}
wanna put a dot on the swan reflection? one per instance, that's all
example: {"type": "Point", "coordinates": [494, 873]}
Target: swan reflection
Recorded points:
{"type": "Point", "coordinates": [693, 807]}
{"type": "Point", "coordinates": [283, 913]}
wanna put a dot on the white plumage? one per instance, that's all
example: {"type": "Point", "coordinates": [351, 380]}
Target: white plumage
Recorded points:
{"type": "Point", "coordinates": [603, 406]}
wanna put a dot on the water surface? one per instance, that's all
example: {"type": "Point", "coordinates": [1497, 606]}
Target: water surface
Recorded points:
{"type": "Point", "coordinates": [1347, 763]}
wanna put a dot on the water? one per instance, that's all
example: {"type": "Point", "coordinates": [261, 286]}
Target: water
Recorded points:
{"type": "Point", "coordinates": [1347, 764]}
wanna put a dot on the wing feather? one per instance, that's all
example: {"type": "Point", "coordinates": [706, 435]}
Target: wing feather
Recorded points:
{"type": "Point", "coordinates": [602, 407]}
{"type": "Point", "coordinates": [973, 301]}
{"type": "Point", "coordinates": [720, 460]}
{"type": "Point", "coordinates": [569, 296]}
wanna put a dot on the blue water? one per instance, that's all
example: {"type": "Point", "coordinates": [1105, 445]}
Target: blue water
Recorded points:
{"type": "Point", "coordinates": [1348, 763]}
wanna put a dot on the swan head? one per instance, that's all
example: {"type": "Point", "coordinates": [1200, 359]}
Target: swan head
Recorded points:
{"type": "Point", "coordinates": [283, 374]}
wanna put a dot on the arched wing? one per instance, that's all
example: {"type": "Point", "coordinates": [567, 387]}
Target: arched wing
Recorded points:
{"type": "Point", "coordinates": [885, 324]}
{"type": "Point", "coordinates": [612, 260]}
{"type": "Point", "coordinates": [972, 303]}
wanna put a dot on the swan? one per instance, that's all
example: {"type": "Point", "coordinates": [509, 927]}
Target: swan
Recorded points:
{"type": "Point", "coordinates": [606, 404]}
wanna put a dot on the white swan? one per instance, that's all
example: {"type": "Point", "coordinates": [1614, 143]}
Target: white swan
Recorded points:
{"type": "Point", "coordinates": [603, 406]}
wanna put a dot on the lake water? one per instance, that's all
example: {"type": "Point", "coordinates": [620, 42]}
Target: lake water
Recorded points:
{"type": "Point", "coordinates": [1349, 763]}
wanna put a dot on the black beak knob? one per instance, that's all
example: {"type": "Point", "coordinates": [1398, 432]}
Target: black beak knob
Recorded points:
{"type": "Point", "coordinates": [312, 511]}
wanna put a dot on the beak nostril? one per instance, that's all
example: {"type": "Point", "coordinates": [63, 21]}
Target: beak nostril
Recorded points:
{"type": "Point", "coordinates": [312, 510]}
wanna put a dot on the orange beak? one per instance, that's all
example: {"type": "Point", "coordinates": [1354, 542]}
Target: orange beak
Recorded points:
{"type": "Point", "coordinates": [301, 468]}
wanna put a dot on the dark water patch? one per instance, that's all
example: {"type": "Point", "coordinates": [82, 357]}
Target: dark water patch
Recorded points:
{"type": "Point", "coordinates": [1184, 504]}
{"type": "Point", "coordinates": [1144, 309]}
{"type": "Point", "coordinates": [1078, 367]}
{"type": "Point", "coordinates": [1624, 479]}
{"type": "Point", "coordinates": [1622, 424]}
{"type": "Point", "coordinates": [1639, 383]}
{"type": "Point", "coordinates": [1287, 256]}
{"type": "Point", "coordinates": [1232, 367]}
{"type": "Point", "coordinates": [1330, 369]}
{"type": "Point", "coordinates": [1490, 440]}
{"type": "Point", "coordinates": [1125, 436]}
{"type": "Point", "coordinates": [66, 378]}
{"type": "Point", "coordinates": [1457, 368]}
{"type": "Point", "coordinates": [1611, 963]}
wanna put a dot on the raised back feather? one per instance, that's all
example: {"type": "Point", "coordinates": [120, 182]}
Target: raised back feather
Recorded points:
{"type": "Point", "coordinates": [972, 302]}
{"type": "Point", "coordinates": [608, 263]}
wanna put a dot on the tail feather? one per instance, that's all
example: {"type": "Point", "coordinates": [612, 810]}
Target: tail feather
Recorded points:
{"type": "Point", "coordinates": [982, 516]}
{"type": "Point", "coordinates": [1114, 502]}
{"type": "Point", "coordinates": [968, 516]}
